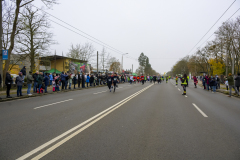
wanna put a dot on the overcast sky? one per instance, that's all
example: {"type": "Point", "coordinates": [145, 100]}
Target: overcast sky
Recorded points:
{"type": "Point", "coordinates": [164, 30]}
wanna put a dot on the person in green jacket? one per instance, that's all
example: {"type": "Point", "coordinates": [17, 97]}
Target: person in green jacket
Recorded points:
{"type": "Point", "coordinates": [184, 84]}
{"type": "Point", "coordinates": [151, 79]}
{"type": "Point", "coordinates": [166, 79]}
{"type": "Point", "coordinates": [231, 84]}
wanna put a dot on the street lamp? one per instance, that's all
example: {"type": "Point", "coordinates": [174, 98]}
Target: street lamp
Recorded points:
{"type": "Point", "coordinates": [122, 59]}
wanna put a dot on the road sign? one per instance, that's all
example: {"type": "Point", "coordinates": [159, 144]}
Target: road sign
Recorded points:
{"type": "Point", "coordinates": [4, 54]}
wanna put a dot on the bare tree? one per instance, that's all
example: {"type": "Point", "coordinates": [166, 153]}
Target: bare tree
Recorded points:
{"type": "Point", "coordinates": [17, 5]}
{"type": "Point", "coordinates": [34, 38]}
{"type": "Point", "coordinates": [81, 52]}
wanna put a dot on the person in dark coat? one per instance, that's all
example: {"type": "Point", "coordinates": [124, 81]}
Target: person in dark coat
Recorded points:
{"type": "Point", "coordinates": [46, 82]}
{"type": "Point", "coordinates": [213, 84]}
{"type": "Point", "coordinates": [35, 84]}
{"type": "Point", "coordinates": [83, 80]}
{"type": "Point", "coordinates": [8, 82]}
{"type": "Point", "coordinates": [63, 79]}
{"type": "Point", "coordinates": [91, 80]}
{"type": "Point", "coordinates": [40, 80]}
{"type": "Point", "coordinates": [19, 82]}
{"type": "Point", "coordinates": [237, 82]}
{"type": "Point", "coordinates": [23, 70]}
{"type": "Point", "coordinates": [74, 81]}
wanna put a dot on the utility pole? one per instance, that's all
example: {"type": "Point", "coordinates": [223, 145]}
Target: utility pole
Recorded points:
{"type": "Point", "coordinates": [97, 62]}
{"type": "Point", "coordinates": [55, 62]}
{"type": "Point", "coordinates": [122, 63]}
{"type": "Point", "coordinates": [226, 64]}
{"type": "Point", "coordinates": [1, 61]}
{"type": "Point", "coordinates": [233, 62]}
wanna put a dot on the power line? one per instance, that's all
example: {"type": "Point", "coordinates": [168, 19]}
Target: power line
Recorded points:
{"type": "Point", "coordinates": [212, 27]}
{"type": "Point", "coordinates": [77, 29]}
{"type": "Point", "coordinates": [219, 27]}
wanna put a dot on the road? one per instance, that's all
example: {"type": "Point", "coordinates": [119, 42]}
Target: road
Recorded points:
{"type": "Point", "coordinates": [137, 122]}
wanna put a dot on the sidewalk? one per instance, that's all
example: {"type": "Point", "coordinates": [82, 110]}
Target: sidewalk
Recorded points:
{"type": "Point", "coordinates": [13, 93]}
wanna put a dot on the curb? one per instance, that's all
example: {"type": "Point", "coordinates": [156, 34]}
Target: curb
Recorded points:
{"type": "Point", "coordinates": [37, 95]}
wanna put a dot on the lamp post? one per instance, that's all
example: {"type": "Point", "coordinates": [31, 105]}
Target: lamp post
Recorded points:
{"type": "Point", "coordinates": [122, 60]}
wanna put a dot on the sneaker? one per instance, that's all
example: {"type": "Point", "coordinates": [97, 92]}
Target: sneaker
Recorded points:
{"type": "Point", "coordinates": [29, 94]}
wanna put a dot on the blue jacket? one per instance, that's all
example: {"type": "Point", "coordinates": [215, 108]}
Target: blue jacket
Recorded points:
{"type": "Point", "coordinates": [51, 77]}
{"type": "Point", "coordinates": [88, 78]}
{"type": "Point", "coordinates": [63, 77]}
{"type": "Point", "coordinates": [46, 80]}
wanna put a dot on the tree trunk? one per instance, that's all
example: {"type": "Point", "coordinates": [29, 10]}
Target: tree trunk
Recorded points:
{"type": "Point", "coordinates": [7, 62]}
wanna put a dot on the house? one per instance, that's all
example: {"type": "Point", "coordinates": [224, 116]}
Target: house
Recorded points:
{"type": "Point", "coordinates": [64, 64]}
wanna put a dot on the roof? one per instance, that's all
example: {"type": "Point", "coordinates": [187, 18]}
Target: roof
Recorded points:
{"type": "Point", "coordinates": [61, 57]}
{"type": "Point", "coordinates": [53, 70]}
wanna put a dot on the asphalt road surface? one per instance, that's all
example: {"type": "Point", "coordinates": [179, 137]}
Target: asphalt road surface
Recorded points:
{"type": "Point", "coordinates": [137, 122]}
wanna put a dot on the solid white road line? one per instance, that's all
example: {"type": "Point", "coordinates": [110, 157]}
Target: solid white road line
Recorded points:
{"type": "Point", "coordinates": [52, 104]}
{"type": "Point", "coordinates": [101, 114]}
{"type": "Point", "coordinates": [204, 115]}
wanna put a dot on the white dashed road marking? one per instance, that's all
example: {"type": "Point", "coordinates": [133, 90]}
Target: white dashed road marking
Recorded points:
{"type": "Point", "coordinates": [52, 104]}
{"type": "Point", "coordinates": [204, 115]}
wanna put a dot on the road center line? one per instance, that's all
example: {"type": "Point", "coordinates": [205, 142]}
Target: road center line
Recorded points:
{"type": "Point", "coordinates": [204, 115]}
{"type": "Point", "coordinates": [52, 104]}
{"type": "Point", "coordinates": [101, 114]}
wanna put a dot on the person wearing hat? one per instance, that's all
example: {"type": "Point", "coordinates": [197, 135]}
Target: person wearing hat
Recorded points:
{"type": "Point", "coordinates": [29, 83]}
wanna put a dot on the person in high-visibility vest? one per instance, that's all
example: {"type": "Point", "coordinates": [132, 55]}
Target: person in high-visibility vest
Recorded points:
{"type": "Point", "coordinates": [184, 83]}
{"type": "Point", "coordinates": [176, 80]}
{"type": "Point", "coordinates": [166, 79]}
{"type": "Point", "coordinates": [188, 80]}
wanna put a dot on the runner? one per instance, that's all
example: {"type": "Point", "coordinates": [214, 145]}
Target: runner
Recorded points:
{"type": "Point", "coordinates": [151, 79]}
{"type": "Point", "coordinates": [195, 81]}
{"type": "Point", "coordinates": [131, 79]}
{"type": "Point", "coordinates": [166, 79]}
{"type": "Point", "coordinates": [138, 79]}
{"type": "Point", "coordinates": [154, 79]}
{"type": "Point", "coordinates": [176, 80]}
{"type": "Point", "coordinates": [184, 84]}
{"type": "Point", "coordinates": [158, 79]}
{"type": "Point", "coordinates": [109, 81]}
{"type": "Point", "coordinates": [115, 79]}
{"type": "Point", "coordinates": [142, 78]}
{"type": "Point", "coordinates": [135, 79]}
